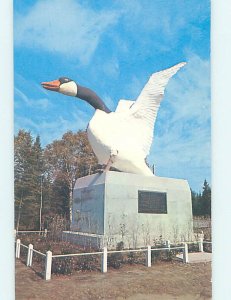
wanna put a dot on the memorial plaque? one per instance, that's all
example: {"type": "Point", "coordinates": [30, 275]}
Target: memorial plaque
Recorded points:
{"type": "Point", "coordinates": [152, 202]}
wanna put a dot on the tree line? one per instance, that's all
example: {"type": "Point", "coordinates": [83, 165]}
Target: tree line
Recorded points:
{"type": "Point", "coordinates": [45, 178]}
{"type": "Point", "coordinates": [201, 202]}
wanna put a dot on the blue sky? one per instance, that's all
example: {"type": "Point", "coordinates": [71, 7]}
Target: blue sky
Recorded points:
{"type": "Point", "coordinates": [113, 47]}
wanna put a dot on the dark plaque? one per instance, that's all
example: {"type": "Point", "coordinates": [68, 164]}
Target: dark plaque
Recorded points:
{"type": "Point", "coordinates": [152, 202]}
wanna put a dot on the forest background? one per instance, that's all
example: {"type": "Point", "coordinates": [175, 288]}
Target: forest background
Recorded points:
{"type": "Point", "coordinates": [45, 179]}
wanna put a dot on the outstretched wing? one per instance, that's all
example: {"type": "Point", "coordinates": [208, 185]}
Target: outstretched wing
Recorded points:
{"type": "Point", "coordinates": [146, 107]}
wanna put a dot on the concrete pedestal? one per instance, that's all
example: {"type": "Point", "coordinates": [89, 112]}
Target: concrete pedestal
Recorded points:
{"type": "Point", "coordinates": [134, 209]}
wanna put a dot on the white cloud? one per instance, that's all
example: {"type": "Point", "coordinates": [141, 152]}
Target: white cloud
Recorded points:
{"type": "Point", "coordinates": [42, 103]}
{"type": "Point", "coordinates": [168, 19]}
{"type": "Point", "coordinates": [166, 22]}
{"type": "Point", "coordinates": [189, 92]}
{"type": "Point", "coordinates": [134, 87]}
{"type": "Point", "coordinates": [111, 68]}
{"type": "Point", "coordinates": [64, 27]}
{"type": "Point", "coordinates": [22, 96]}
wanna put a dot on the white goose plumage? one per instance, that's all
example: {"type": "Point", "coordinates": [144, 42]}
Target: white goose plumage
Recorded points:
{"type": "Point", "coordinates": [123, 138]}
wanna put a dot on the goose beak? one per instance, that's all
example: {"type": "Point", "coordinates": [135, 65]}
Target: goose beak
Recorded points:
{"type": "Point", "coordinates": [51, 85]}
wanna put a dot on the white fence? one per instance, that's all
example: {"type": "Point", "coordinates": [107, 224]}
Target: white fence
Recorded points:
{"type": "Point", "coordinates": [104, 254]}
{"type": "Point", "coordinates": [43, 232]}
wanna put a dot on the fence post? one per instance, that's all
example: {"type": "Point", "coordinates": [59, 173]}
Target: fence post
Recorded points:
{"type": "Point", "coordinates": [149, 257]}
{"type": "Point", "coordinates": [168, 244]}
{"type": "Point", "coordinates": [15, 233]}
{"type": "Point", "coordinates": [48, 264]}
{"type": "Point", "coordinates": [29, 255]}
{"type": "Point", "coordinates": [18, 244]}
{"type": "Point", "coordinates": [201, 249]}
{"type": "Point", "coordinates": [104, 260]}
{"type": "Point", "coordinates": [185, 253]}
{"type": "Point", "coordinates": [45, 233]}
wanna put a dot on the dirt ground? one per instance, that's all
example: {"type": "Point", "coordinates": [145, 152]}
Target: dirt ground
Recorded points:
{"type": "Point", "coordinates": [136, 282]}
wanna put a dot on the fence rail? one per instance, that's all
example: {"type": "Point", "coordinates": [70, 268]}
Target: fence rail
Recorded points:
{"type": "Point", "coordinates": [30, 231]}
{"type": "Point", "coordinates": [77, 254]}
{"type": "Point", "coordinates": [38, 252]}
{"type": "Point", "coordinates": [44, 232]}
{"type": "Point", "coordinates": [127, 250]}
{"type": "Point", "coordinates": [48, 256]}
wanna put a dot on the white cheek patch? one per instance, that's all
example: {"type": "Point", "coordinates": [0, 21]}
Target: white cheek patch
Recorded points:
{"type": "Point", "coordinates": [69, 88]}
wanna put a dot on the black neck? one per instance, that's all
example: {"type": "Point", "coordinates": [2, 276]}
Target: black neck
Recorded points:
{"type": "Point", "coordinates": [91, 97]}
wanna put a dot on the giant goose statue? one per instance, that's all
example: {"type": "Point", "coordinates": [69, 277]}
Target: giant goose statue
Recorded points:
{"type": "Point", "coordinates": [121, 139]}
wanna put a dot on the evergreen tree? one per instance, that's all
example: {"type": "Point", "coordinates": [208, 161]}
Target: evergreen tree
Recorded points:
{"type": "Point", "coordinates": [201, 202]}
{"type": "Point", "coordinates": [206, 199]}
{"type": "Point", "coordinates": [45, 180]}
{"type": "Point", "coordinates": [60, 196]}
{"type": "Point", "coordinates": [23, 170]}
{"type": "Point", "coordinates": [29, 167]}
{"type": "Point", "coordinates": [39, 177]}
{"type": "Point", "coordinates": [194, 203]}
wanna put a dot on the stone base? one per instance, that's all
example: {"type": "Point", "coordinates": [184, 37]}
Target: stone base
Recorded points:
{"type": "Point", "coordinates": [137, 210]}
{"type": "Point", "coordinates": [88, 240]}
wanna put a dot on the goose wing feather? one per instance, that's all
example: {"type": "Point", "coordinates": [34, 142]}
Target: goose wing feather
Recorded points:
{"type": "Point", "coordinates": [146, 107]}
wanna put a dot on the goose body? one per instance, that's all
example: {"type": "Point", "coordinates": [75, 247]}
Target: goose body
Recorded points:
{"type": "Point", "coordinates": [123, 138]}
{"type": "Point", "coordinates": [117, 134]}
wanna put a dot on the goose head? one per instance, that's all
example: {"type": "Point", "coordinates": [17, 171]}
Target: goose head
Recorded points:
{"type": "Point", "coordinates": [69, 87]}
{"type": "Point", "coordinates": [63, 85]}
